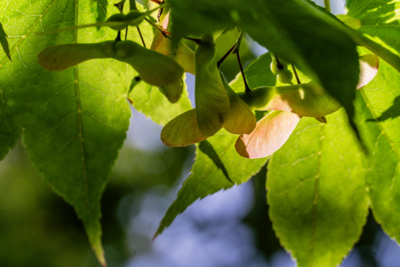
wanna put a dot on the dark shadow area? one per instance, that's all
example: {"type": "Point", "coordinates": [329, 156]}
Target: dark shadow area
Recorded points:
{"type": "Point", "coordinates": [102, 10]}
{"type": "Point", "coordinates": [208, 149]}
{"type": "Point", "coordinates": [391, 113]}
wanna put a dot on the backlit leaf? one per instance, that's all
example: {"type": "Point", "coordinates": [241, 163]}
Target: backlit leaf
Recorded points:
{"type": "Point", "coordinates": [74, 121]}
{"type": "Point", "coordinates": [378, 113]}
{"type": "Point", "coordinates": [317, 193]}
{"type": "Point", "coordinates": [378, 31]}
{"type": "Point", "coordinates": [150, 101]}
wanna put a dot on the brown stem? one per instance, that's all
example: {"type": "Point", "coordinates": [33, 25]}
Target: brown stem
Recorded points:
{"type": "Point", "coordinates": [246, 86]}
{"type": "Point", "coordinates": [295, 74]}
{"type": "Point", "coordinates": [141, 37]}
{"type": "Point", "coordinates": [196, 40]}
{"type": "Point", "coordinates": [237, 52]}
{"type": "Point", "coordinates": [226, 55]}
{"type": "Point", "coordinates": [155, 26]}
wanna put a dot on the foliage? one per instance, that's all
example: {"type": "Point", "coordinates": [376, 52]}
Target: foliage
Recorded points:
{"type": "Point", "coordinates": [67, 87]}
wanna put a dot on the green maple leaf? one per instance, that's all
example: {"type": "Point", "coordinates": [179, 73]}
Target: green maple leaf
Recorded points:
{"type": "Point", "coordinates": [378, 111]}
{"type": "Point", "coordinates": [317, 193]}
{"type": "Point", "coordinates": [74, 121]}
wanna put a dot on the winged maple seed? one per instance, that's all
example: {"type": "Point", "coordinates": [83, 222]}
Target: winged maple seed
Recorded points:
{"type": "Point", "coordinates": [184, 129]}
{"type": "Point", "coordinates": [290, 103]}
{"type": "Point", "coordinates": [286, 103]}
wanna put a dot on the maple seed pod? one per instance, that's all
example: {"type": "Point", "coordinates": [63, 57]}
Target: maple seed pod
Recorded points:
{"type": "Point", "coordinates": [62, 57]}
{"type": "Point", "coordinates": [274, 68]}
{"type": "Point", "coordinates": [153, 67]}
{"type": "Point", "coordinates": [135, 17]}
{"type": "Point", "coordinates": [118, 18]}
{"type": "Point", "coordinates": [211, 97]}
{"type": "Point", "coordinates": [172, 92]}
{"type": "Point", "coordinates": [284, 76]}
{"type": "Point", "coordinates": [239, 119]}
{"type": "Point", "coordinates": [182, 130]}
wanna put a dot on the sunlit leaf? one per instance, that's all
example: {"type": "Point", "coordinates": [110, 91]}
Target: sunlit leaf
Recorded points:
{"type": "Point", "coordinates": [378, 119]}
{"type": "Point", "coordinates": [349, 21]}
{"type": "Point", "coordinates": [317, 193]}
{"type": "Point", "coordinates": [378, 31]}
{"type": "Point", "coordinates": [74, 121]}
{"type": "Point", "coordinates": [270, 134]}
{"type": "Point", "coordinates": [116, 22]}
{"type": "Point", "coordinates": [257, 73]}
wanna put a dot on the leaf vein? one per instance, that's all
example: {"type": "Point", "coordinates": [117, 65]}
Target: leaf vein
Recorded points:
{"type": "Point", "coordinates": [316, 195]}
{"type": "Point", "coordinates": [15, 47]}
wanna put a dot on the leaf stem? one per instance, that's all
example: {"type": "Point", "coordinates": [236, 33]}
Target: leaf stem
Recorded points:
{"type": "Point", "coordinates": [327, 5]}
{"type": "Point", "coordinates": [141, 36]}
{"type": "Point", "coordinates": [226, 55]}
{"type": "Point", "coordinates": [295, 74]}
{"type": "Point", "coordinates": [236, 51]}
{"type": "Point", "coordinates": [196, 40]}
{"type": "Point", "coordinates": [155, 26]}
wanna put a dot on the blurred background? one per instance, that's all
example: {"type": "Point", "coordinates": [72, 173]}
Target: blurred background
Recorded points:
{"type": "Point", "coordinates": [227, 229]}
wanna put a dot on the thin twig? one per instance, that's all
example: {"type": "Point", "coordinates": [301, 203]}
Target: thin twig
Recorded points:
{"type": "Point", "coordinates": [226, 55]}
{"type": "Point", "coordinates": [141, 37]}
{"type": "Point", "coordinates": [236, 51]}
{"type": "Point", "coordinates": [164, 32]}
{"type": "Point", "coordinates": [196, 40]}
{"type": "Point", "coordinates": [295, 74]}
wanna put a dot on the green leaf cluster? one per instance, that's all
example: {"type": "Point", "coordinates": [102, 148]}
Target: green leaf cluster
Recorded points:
{"type": "Point", "coordinates": [68, 89]}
